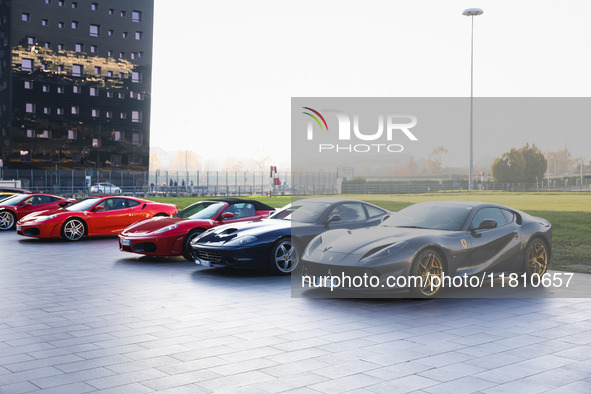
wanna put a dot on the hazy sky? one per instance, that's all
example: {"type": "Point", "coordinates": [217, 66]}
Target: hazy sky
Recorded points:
{"type": "Point", "coordinates": [225, 71]}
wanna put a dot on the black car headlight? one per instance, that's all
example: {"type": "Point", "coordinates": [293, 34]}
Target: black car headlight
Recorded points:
{"type": "Point", "coordinates": [383, 252]}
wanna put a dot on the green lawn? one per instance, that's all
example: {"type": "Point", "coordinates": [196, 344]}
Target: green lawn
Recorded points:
{"type": "Point", "coordinates": [569, 213]}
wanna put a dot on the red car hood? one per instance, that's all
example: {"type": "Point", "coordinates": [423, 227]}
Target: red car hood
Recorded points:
{"type": "Point", "coordinates": [44, 214]}
{"type": "Point", "coordinates": [149, 226]}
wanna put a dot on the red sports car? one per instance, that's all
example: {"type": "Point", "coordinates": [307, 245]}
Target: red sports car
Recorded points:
{"type": "Point", "coordinates": [172, 236]}
{"type": "Point", "coordinates": [15, 207]}
{"type": "Point", "coordinates": [91, 216]}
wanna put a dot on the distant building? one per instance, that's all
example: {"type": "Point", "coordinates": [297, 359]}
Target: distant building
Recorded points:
{"type": "Point", "coordinates": [75, 82]}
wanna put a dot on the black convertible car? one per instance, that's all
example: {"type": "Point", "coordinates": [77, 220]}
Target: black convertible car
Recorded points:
{"type": "Point", "coordinates": [277, 242]}
{"type": "Point", "coordinates": [432, 239]}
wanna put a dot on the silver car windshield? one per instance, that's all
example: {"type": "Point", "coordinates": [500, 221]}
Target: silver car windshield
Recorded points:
{"type": "Point", "coordinates": [430, 216]}
{"type": "Point", "coordinates": [302, 211]}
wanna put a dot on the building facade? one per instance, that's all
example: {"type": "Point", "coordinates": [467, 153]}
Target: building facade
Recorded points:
{"type": "Point", "coordinates": [75, 82]}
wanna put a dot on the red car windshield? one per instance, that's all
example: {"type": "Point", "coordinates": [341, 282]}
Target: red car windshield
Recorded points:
{"type": "Point", "coordinates": [14, 200]}
{"type": "Point", "coordinates": [201, 210]}
{"type": "Point", "coordinates": [83, 205]}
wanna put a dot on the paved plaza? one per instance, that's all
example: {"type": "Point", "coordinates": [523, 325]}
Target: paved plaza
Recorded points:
{"type": "Point", "coordinates": [85, 317]}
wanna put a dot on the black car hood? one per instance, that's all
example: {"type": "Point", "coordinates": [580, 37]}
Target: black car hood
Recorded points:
{"type": "Point", "coordinates": [362, 241]}
{"type": "Point", "coordinates": [225, 233]}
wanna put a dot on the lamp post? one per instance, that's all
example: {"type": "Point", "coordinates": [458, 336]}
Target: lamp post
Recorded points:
{"type": "Point", "coordinates": [472, 12]}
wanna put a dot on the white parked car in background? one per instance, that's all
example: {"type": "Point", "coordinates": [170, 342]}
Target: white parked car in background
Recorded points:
{"type": "Point", "coordinates": [105, 188]}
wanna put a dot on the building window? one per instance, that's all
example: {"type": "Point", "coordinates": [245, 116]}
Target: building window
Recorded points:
{"type": "Point", "coordinates": [95, 30]}
{"type": "Point", "coordinates": [121, 55]}
{"type": "Point", "coordinates": [44, 22]}
{"type": "Point", "coordinates": [109, 114]}
{"type": "Point", "coordinates": [93, 49]}
{"type": "Point", "coordinates": [76, 89]}
{"type": "Point", "coordinates": [44, 134]}
{"type": "Point", "coordinates": [25, 17]}
{"type": "Point", "coordinates": [124, 34]}
{"type": "Point", "coordinates": [121, 75]}
{"type": "Point", "coordinates": [75, 110]}
{"type": "Point", "coordinates": [110, 74]}
{"type": "Point", "coordinates": [121, 95]}
{"type": "Point", "coordinates": [59, 111]}
{"type": "Point", "coordinates": [136, 138]}
{"type": "Point", "coordinates": [94, 91]}
{"type": "Point", "coordinates": [31, 40]}
{"type": "Point", "coordinates": [94, 6]}
{"type": "Point", "coordinates": [60, 25]}
{"type": "Point", "coordinates": [30, 108]}
{"type": "Point", "coordinates": [60, 89]}
{"type": "Point", "coordinates": [28, 85]}
{"type": "Point", "coordinates": [30, 133]}
{"type": "Point", "coordinates": [72, 134]}
{"type": "Point", "coordinates": [110, 53]}
{"type": "Point", "coordinates": [140, 96]}
{"type": "Point", "coordinates": [110, 33]}
{"type": "Point", "coordinates": [74, 4]}
{"type": "Point", "coordinates": [47, 45]}
{"type": "Point", "coordinates": [60, 47]}
{"type": "Point", "coordinates": [140, 54]}
{"type": "Point", "coordinates": [95, 113]}
{"type": "Point", "coordinates": [139, 35]}
{"type": "Point", "coordinates": [97, 70]}
{"type": "Point", "coordinates": [96, 143]}
{"type": "Point", "coordinates": [60, 3]}
{"type": "Point", "coordinates": [79, 47]}
{"type": "Point", "coordinates": [136, 116]}
{"type": "Point", "coordinates": [25, 157]}
{"type": "Point", "coordinates": [47, 1]}
{"type": "Point", "coordinates": [136, 77]}
{"type": "Point", "coordinates": [45, 88]}
{"type": "Point", "coordinates": [116, 135]}
{"type": "Point", "coordinates": [122, 14]}
{"type": "Point", "coordinates": [136, 16]}
{"type": "Point", "coordinates": [77, 70]}
{"type": "Point", "coordinates": [76, 157]}
{"type": "Point", "coordinates": [132, 94]}
{"type": "Point", "coordinates": [111, 11]}
{"type": "Point", "coordinates": [74, 24]}
{"type": "Point", "coordinates": [132, 55]}
{"type": "Point", "coordinates": [109, 94]}
{"type": "Point", "coordinates": [27, 64]}
{"type": "Point", "coordinates": [123, 115]}
{"type": "Point", "coordinates": [60, 68]}
{"type": "Point", "coordinates": [46, 110]}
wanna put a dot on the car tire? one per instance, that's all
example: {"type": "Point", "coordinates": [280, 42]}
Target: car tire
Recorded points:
{"type": "Point", "coordinates": [73, 230]}
{"type": "Point", "coordinates": [282, 260]}
{"type": "Point", "coordinates": [187, 253]}
{"type": "Point", "coordinates": [7, 220]}
{"type": "Point", "coordinates": [427, 265]}
{"type": "Point", "coordinates": [535, 260]}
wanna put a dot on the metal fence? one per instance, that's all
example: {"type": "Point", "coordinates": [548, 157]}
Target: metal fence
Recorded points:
{"type": "Point", "coordinates": [246, 183]}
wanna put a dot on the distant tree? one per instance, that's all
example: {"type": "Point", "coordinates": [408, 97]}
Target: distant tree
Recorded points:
{"type": "Point", "coordinates": [155, 162]}
{"type": "Point", "coordinates": [185, 159]}
{"type": "Point", "coordinates": [519, 166]}
{"type": "Point", "coordinates": [435, 160]}
{"type": "Point", "coordinates": [233, 164]}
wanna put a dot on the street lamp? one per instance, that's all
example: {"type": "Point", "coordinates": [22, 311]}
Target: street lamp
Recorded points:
{"type": "Point", "coordinates": [472, 12]}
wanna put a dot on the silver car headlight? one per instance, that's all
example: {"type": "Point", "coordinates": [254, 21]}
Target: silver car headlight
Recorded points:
{"type": "Point", "coordinates": [242, 240]}
{"type": "Point", "coordinates": [313, 245]}
{"type": "Point", "coordinates": [165, 229]}
{"type": "Point", "coordinates": [47, 217]}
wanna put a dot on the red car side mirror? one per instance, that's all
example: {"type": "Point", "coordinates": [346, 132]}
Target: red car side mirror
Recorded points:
{"type": "Point", "coordinates": [27, 205]}
{"type": "Point", "coordinates": [226, 215]}
{"type": "Point", "coordinates": [99, 208]}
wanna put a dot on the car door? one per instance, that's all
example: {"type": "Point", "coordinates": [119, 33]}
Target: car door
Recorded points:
{"type": "Point", "coordinates": [137, 211]}
{"type": "Point", "coordinates": [111, 220]}
{"type": "Point", "coordinates": [492, 249]}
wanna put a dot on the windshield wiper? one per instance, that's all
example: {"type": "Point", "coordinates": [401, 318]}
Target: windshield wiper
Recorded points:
{"type": "Point", "coordinates": [412, 227]}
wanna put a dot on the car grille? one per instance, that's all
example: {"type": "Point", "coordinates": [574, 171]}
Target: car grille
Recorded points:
{"type": "Point", "coordinates": [209, 256]}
